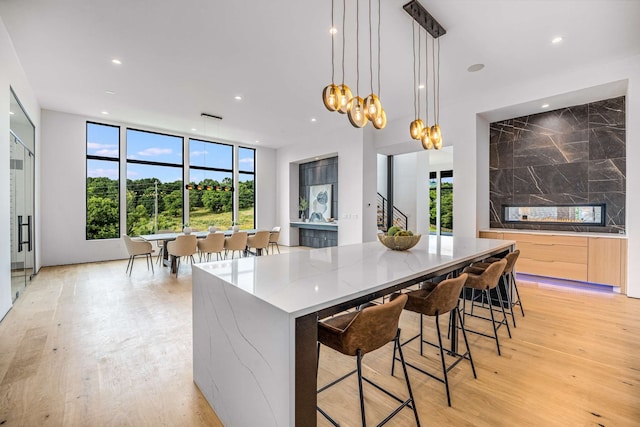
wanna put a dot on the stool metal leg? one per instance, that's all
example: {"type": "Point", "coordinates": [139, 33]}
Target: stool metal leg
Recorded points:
{"type": "Point", "coordinates": [515, 286]}
{"type": "Point", "coordinates": [493, 323]}
{"type": "Point", "coordinates": [504, 313]}
{"type": "Point", "coordinates": [359, 364]}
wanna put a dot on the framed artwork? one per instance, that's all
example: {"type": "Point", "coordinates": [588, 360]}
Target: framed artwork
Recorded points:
{"type": "Point", "coordinates": [319, 203]}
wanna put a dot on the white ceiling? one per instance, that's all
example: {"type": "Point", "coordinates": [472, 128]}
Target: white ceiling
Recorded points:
{"type": "Point", "coordinates": [184, 58]}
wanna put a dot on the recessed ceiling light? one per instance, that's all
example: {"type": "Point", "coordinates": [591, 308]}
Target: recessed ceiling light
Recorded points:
{"type": "Point", "coordinates": [106, 113]}
{"type": "Point", "coordinates": [193, 129]}
{"type": "Point", "coordinates": [238, 98]}
{"type": "Point", "coordinates": [545, 105]}
{"type": "Point", "coordinates": [257, 141]}
{"type": "Point", "coordinates": [314, 119]}
{"type": "Point", "coordinates": [421, 86]}
{"type": "Point", "coordinates": [11, 113]}
{"type": "Point", "coordinates": [116, 61]}
{"type": "Point", "coordinates": [475, 67]}
{"type": "Point", "coordinates": [333, 30]}
{"type": "Point", "coordinates": [109, 92]}
{"type": "Point", "coordinates": [556, 40]}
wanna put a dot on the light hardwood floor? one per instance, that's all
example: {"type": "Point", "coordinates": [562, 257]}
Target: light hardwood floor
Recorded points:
{"type": "Point", "coordinates": [87, 345]}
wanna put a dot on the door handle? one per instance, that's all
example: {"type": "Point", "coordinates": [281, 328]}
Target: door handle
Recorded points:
{"type": "Point", "coordinates": [29, 234]}
{"type": "Point", "coordinates": [19, 233]}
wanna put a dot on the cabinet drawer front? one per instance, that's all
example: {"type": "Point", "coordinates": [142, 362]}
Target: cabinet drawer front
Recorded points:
{"type": "Point", "coordinates": [554, 252]}
{"type": "Point", "coordinates": [490, 235]}
{"type": "Point", "coordinates": [548, 239]}
{"type": "Point", "coordinates": [562, 270]}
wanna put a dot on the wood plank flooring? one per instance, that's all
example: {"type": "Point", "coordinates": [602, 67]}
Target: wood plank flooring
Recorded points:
{"type": "Point", "coordinates": [87, 345]}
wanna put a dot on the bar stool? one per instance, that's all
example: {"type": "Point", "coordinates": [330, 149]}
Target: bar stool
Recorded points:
{"type": "Point", "coordinates": [508, 279]}
{"type": "Point", "coordinates": [360, 332]}
{"type": "Point", "coordinates": [435, 300]}
{"type": "Point", "coordinates": [485, 281]}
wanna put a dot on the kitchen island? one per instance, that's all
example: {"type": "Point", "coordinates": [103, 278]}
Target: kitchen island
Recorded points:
{"type": "Point", "coordinates": [255, 319]}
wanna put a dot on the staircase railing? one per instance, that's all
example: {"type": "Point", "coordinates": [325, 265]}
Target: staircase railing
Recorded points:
{"type": "Point", "coordinates": [399, 218]}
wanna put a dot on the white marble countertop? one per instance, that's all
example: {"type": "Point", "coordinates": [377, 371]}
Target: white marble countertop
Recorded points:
{"type": "Point", "coordinates": [300, 283]}
{"type": "Point", "coordinates": [556, 233]}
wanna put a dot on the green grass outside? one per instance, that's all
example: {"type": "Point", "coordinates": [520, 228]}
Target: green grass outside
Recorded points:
{"type": "Point", "coordinates": [202, 218]}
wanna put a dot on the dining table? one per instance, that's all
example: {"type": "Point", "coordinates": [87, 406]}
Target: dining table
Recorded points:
{"type": "Point", "coordinates": [170, 261]}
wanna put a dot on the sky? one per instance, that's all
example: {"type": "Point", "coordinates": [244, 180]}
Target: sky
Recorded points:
{"type": "Point", "coordinates": [103, 140]}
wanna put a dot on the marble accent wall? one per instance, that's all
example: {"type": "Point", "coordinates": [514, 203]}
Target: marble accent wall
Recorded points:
{"type": "Point", "coordinates": [574, 155]}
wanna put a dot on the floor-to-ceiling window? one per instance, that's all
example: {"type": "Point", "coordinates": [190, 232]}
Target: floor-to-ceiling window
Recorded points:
{"type": "Point", "coordinates": [441, 202]}
{"type": "Point", "coordinates": [154, 182]}
{"type": "Point", "coordinates": [103, 181]}
{"type": "Point", "coordinates": [246, 187]}
{"type": "Point", "coordinates": [210, 184]}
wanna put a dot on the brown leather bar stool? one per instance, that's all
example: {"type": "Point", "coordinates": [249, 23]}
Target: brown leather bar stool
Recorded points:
{"type": "Point", "coordinates": [485, 281]}
{"type": "Point", "coordinates": [508, 279]}
{"type": "Point", "coordinates": [360, 332]}
{"type": "Point", "coordinates": [435, 300]}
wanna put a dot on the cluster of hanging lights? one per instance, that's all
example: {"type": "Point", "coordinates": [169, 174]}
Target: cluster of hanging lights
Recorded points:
{"type": "Point", "coordinates": [430, 136]}
{"type": "Point", "coordinates": [339, 97]}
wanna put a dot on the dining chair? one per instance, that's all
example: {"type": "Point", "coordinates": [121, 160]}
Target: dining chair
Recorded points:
{"type": "Point", "coordinates": [212, 244]}
{"type": "Point", "coordinates": [274, 236]}
{"type": "Point", "coordinates": [184, 245]}
{"type": "Point", "coordinates": [259, 241]}
{"type": "Point", "coordinates": [160, 244]}
{"type": "Point", "coordinates": [237, 242]}
{"type": "Point", "coordinates": [137, 247]}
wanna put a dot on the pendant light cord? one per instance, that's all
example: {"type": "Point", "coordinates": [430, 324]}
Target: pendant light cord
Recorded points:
{"type": "Point", "coordinates": [436, 84]}
{"type": "Point", "coordinates": [333, 33]}
{"type": "Point", "coordinates": [344, 13]}
{"type": "Point", "coordinates": [426, 80]}
{"type": "Point", "coordinates": [370, 51]}
{"type": "Point", "coordinates": [415, 86]}
{"type": "Point", "coordinates": [358, 48]}
{"type": "Point", "coordinates": [419, 67]}
{"type": "Point", "coordinates": [379, 24]}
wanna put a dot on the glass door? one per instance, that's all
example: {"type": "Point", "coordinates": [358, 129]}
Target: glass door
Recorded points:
{"type": "Point", "coordinates": [22, 196]}
{"type": "Point", "coordinates": [22, 250]}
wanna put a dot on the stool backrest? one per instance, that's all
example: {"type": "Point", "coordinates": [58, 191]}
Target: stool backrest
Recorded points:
{"type": "Point", "coordinates": [373, 327]}
{"type": "Point", "coordinates": [444, 297]}
{"type": "Point", "coordinates": [511, 258]}
{"type": "Point", "coordinates": [491, 275]}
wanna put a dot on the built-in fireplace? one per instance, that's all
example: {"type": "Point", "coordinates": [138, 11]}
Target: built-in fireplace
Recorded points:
{"type": "Point", "coordinates": [587, 214]}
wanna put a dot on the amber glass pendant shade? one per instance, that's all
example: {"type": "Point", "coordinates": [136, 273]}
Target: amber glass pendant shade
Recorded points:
{"type": "Point", "coordinates": [425, 139]}
{"type": "Point", "coordinates": [330, 97]}
{"type": "Point", "coordinates": [381, 121]}
{"type": "Point", "coordinates": [415, 128]}
{"type": "Point", "coordinates": [436, 136]}
{"type": "Point", "coordinates": [344, 96]}
{"type": "Point", "coordinates": [372, 106]}
{"type": "Point", "coordinates": [356, 113]}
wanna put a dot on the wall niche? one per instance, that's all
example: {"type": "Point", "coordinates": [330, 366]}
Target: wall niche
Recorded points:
{"type": "Point", "coordinates": [324, 171]}
{"type": "Point", "coordinates": [574, 155]}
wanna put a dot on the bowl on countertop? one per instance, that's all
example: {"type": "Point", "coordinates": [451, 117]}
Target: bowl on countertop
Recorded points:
{"type": "Point", "coordinates": [399, 243]}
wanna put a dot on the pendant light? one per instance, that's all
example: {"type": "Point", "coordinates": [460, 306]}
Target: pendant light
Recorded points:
{"type": "Point", "coordinates": [344, 93]}
{"type": "Point", "coordinates": [435, 133]}
{"type": "Point", "coordinates": [355, 106]}
{"type": "Point", "coordinates": [330, 92]}
{"type": "Point", "coordinates": [417, 125]}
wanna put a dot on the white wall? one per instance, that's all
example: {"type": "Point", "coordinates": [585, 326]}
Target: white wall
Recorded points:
{"type": "Point", "coordinates": [347, 143]}
{"type": "Point", "coordinates": [64, 202]}
{"type": "Point", "coordinates": [405, 167]}
{"type": "Point", "coordinates": [12, 75]}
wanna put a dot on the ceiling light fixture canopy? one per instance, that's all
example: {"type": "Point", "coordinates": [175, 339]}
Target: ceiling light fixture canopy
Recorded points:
{"type": "Point", "coordinates": [430, 136]}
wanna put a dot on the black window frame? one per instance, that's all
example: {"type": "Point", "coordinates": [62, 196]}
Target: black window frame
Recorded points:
{"type": "Point", "coordinates": [86, 173]}
{"type": "Point", "coordinates": [240, 171]}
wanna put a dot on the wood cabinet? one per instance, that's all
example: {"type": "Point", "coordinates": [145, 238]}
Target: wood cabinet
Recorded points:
{"type": "Point", "coordinates": [583, 258]}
